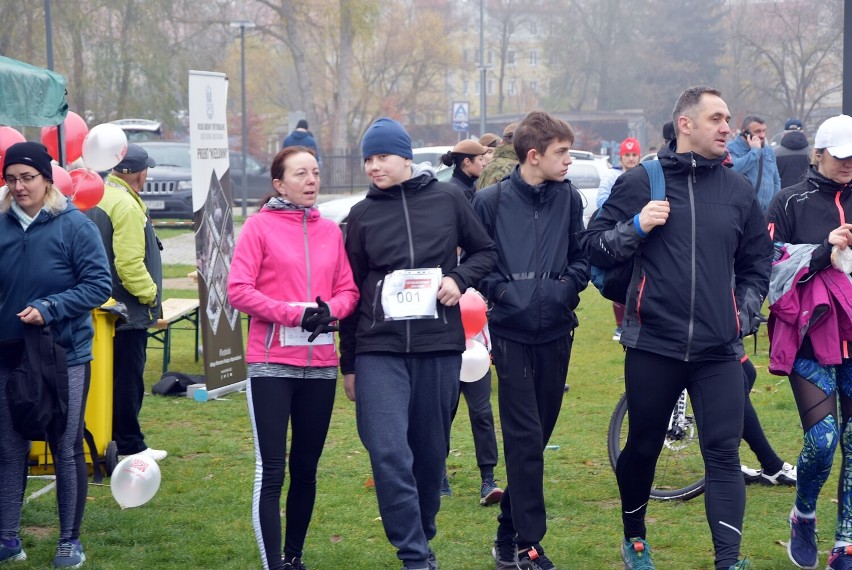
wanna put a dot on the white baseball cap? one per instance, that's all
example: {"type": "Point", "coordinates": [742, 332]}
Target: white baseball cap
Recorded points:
{"type": "Point", "coordinates": [835, 135]}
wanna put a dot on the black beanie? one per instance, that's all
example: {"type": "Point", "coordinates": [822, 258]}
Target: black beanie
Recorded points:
{"type": "Point", "coordinates": [31, 153]}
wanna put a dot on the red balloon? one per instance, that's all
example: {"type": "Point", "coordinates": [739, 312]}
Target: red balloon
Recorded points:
{"type": "Point", "coordinates": [8, 137]}
{"type": "Point", "coordinates": [88, 188]}
{"type": "Point", "coordinates": [62, 180]}
{"type": "Point", "coordinates": [75, 133]}
{"type": "Point", "coordinates": [473, 310]}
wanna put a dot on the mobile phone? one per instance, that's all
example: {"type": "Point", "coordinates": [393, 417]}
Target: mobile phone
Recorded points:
{"type": "Point", "coordinates": [746, 134]}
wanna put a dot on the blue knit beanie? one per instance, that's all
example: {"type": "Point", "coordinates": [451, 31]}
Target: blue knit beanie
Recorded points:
{"type": "Point", "coordinates": [386, 136]}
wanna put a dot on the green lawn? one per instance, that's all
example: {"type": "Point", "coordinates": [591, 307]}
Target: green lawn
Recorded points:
{"type": "Point", "coordinates": [201, 516]}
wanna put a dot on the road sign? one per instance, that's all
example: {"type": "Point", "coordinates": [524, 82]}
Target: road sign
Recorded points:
{"type": "Point", "coordinates": [461, 116]}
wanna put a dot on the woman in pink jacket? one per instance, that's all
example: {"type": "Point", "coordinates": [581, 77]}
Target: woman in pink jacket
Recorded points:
{"type": "Point", "coordinates": [288, 256]}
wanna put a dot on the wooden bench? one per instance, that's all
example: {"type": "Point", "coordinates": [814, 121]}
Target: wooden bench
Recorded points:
{"type": "Point", "coordinates": [175, 311]}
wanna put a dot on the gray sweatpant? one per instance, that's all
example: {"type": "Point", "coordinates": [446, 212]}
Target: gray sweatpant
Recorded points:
{"type": "Point", "coordinates": [403, 407]}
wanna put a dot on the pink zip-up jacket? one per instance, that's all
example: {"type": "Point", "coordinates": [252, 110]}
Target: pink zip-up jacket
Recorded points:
{"type": "Point", "coordinates": [284, 257]}
{"type": "Point", "coordinates": [819, 307]}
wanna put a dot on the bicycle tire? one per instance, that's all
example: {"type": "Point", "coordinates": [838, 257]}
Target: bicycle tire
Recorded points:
{"type": "Point", "coordinates": [680, 460]}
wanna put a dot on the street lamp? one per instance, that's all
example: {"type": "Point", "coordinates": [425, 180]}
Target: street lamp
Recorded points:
{"type": "Point", "coordinates": [242, 25]}
{"type": "Point", "coordinates": [482, 68]}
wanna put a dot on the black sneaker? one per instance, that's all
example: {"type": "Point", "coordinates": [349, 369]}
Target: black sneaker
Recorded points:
{"type": "Point", "coordinates": [503, 552]}
{"type": "Point", "coordinates": [533, 558]}
{"type": "Point", "coordinates": [294, 563]}
{"type": "Point", "coordinates": [446, 490]}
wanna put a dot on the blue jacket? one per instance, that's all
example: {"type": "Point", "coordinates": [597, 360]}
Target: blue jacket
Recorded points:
{"type": "Point", "coordinates": [57, 265]}
{"type": "Point", "coordinates": [746, 161]}
{"type": "Point", "coordinates": [301, 138]}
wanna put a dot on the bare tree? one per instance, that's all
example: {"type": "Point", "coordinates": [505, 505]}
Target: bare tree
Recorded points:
{"type": "Point", "coordinates": [793, 50]}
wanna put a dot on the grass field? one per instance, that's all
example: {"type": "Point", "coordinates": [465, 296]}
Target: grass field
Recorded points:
{"type": "Point", "coordinates": [200, 517]}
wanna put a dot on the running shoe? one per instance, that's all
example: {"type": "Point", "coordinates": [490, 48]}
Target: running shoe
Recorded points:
{"type": "Point", "coordinates": [69, 554]}
{"type": "Point", "coordinates": [490, 493]}
{"type": "Point", "coordinates": [503, 552]}
{"type": "Point", "coordinates": [744, 564]}
{"type": "Point", "coordinates": [636, 554]}
{"type": "Point", "coordinates": [802, 548]}
{"type": "Point", "coordinates": [785, 476]}
{"type": "Point", "coordinates": [750, 475]}
{"type": "Point", "coordinates": [533, 558]}
{"type": "Point", "coordinates": [840, 558]}
{"type": "Point", "coordinates": [294, 563]}
{"type": "Point", "coordinates": [12, 550]}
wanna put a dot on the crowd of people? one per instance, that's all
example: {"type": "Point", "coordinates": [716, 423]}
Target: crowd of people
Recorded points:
{"type": "Point", "coordinates": [508, 225]}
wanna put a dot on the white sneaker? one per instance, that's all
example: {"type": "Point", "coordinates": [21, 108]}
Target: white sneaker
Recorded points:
{"type": "Point", "coordinates": [155, 454]}
{"type": "Point", "coordinates": [751, 475]}
{"type": "Point", "coordinates": [786, 476]}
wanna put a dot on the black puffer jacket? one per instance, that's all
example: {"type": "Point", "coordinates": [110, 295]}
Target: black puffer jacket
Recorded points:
{"type": "Point", "coordinates": [536, 284]}
{"type": "Point", "coordinates": [417, 224]}
{"type": "Point", "coordinates": [808, 211]}
{"type": "Point", "coordinates": [681, 302]}
{"type": "Point", "coordinates": [793, 158]}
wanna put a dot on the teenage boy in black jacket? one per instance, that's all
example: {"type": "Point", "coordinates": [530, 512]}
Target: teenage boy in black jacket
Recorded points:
{"type": "Point", "coordinates": [700, 274]}
{"type": "Point", "coordinates": [533, 217]}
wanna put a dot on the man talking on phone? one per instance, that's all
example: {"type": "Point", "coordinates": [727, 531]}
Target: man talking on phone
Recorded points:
{"type": "Point", "coordinates": [755, 159]}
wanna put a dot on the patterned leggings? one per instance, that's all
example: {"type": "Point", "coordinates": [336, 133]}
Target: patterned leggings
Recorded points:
{"type": "Point", "coordinates": [816, 388]}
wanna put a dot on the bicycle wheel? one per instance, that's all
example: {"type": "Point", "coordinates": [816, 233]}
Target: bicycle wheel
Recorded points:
{"type": "Point", "coordinates": [680, 469]}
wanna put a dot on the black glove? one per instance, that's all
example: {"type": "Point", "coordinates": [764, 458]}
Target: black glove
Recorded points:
{"type": "Point", "coordinates": [317, 320]}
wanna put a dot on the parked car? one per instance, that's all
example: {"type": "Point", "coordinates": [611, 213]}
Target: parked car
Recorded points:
{"type": "Point", "coordinates": [168, 190]}
{"type": "Point", "coordinates": [140, 129]}
{"type": "Point", "coordinates": [586, 172]}
{"type": "Point", "coordinates": [432, 155]}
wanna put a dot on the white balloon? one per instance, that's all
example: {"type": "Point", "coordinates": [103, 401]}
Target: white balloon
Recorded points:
{"type": "Point", "coordinates": [475, 361]}
{"type": "Point", "coordinates": [135, 481]}
{"type": "Point", "coordinates": [104, 146]}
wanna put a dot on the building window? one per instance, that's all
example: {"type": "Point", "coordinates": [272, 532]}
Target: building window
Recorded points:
{"type": "Point", "coordinates": [490, 57]}
{"type": "Point", "coordinates": [491, 87]}
{"type": "Point", "coordinates": [533, 27]}
{"type": "Point", "coordinates": [512, 87]}
{"type": "Point", "coordinates": [533, 57]}
{"type": "Point", "coordinates": [534, 86]}
{"type": "Point", "coordinates": [477, 87]}
{"type": "Point", "coordinates": [465, 87]}
{"type": "Point", "coordinates": [510, 57]}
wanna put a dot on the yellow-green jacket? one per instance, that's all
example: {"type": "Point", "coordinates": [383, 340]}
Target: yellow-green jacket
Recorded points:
{"type": "Point", "coordinates": [133, 250]}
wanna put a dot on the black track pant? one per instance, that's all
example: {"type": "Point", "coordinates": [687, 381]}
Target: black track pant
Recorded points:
{"type": "Point", "coordinates": [275, 403]}
{"type": "Point", "coordinates": [653, 384]}
{"type": "Point", "coordinates": [753, 431]}
{"type": "Point", "coordinates": [531, 384]}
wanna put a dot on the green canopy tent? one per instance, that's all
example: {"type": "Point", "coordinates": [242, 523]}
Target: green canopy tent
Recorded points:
{"type": "Point", "coordinates": [30, 96]}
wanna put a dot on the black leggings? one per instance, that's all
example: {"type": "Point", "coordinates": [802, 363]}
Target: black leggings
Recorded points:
{"type": "Point", "coordinates": [653, 384]}
{"type": "Point", "coordinates": [753, 431]}
{"type": "Point", "coordinates": [273, 404]}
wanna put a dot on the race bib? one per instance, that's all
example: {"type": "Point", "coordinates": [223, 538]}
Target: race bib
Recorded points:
{"type": "Point", "coordinates": [411, 294]}
{"type": "Point", "coordinates": [297, 336]}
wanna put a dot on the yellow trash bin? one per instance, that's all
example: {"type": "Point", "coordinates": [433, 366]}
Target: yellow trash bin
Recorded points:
{"type": "Point", "coordinates": [98, 403]}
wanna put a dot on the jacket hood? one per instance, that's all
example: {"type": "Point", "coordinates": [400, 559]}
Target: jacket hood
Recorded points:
{"type": "Point", "coordinates": [684, 161]}
{"type": "Point", "coordinates": [301, 135]}
{"type": "Point", "coordinates": [421, 175]}
{"type": "Point", "coordinates": [795, 140]}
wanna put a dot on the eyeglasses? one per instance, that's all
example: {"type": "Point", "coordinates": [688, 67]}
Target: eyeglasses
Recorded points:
{"type": "Point", "coordinates": [11, 181]}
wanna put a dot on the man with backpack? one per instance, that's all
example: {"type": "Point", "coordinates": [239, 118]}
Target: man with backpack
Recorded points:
{"type": "Point", "coordinates": [533, 216]}
{"type": "Point", "coordinates": [700, 270]}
